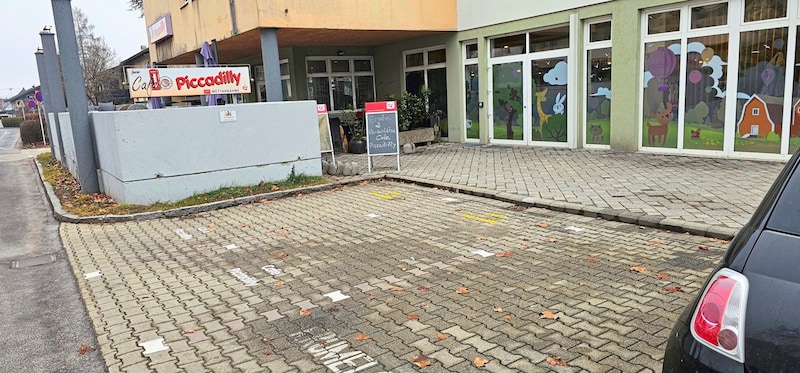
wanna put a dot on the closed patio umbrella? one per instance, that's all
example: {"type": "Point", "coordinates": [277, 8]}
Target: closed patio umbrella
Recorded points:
{"type": "Point", "coordinates": [208, 61]}
{"type": "Point", "coordinates": [155, 102]}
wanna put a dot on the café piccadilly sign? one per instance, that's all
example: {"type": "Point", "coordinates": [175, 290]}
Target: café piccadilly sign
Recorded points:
{"type": "Point", "coordinates": [188, 81]}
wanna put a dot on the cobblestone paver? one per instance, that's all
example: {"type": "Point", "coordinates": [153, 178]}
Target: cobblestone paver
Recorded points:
{"type": "Point", "coordinates": [716, 191]}
{"type": "Point", "coordinates": [317, 284]}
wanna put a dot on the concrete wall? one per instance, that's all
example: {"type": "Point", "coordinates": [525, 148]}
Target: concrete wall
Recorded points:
{"type": "Point", "coordinates": [164, 155]}
{"type": "Point", "coordinates": [71, 158]}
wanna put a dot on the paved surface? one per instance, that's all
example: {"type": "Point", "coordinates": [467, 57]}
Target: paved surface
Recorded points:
{"type": "Point", "coordinates": [308, 275]}
{"type": "Point", "coordinates": [718, 192]}
{"type": "Point", "coordinates": [43, 319]}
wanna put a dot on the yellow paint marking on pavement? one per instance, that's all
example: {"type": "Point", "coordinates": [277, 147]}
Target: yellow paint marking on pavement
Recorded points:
{"type": "Point", "coordinates": [384, 196]}
{"type": "Point", "coordinates": [480, 219]}
{"type": "Point", "coordinates": [394, 193]}
{"type": "Point", "coordinates": [497, 216]}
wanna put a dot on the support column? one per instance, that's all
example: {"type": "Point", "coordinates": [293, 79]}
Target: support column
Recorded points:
{"type": "Point", "coordinates": [625, 111]}
{"type": "Point", "coordinates": [272, 64]}
{"type": "Point", "coordinates": [45, 89]}
{"type": "Point", "coordinates": [76, 96]}
{"type": "Point", "coordinates": [55, 103]}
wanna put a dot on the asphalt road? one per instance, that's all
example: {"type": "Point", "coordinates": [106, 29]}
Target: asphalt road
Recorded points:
{"type": "Point", "coordinates": [384, 277]}
{"type": "Point", "coordinates": [43, 320]}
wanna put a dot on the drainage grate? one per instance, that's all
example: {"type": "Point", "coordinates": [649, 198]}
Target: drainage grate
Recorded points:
{"type": "Point", "coordinates": [35, 261]}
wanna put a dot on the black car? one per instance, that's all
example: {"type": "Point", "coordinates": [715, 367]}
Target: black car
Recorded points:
{"type": "Point", "coordinates": [747, 319]}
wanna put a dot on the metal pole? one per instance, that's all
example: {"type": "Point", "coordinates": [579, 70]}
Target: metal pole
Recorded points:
{"type": "Point", "coordinates": [41, 126]}
{"type": "Point", "coordinates": [76, 96]}
{"type": "Point", "coordinates": [44, 86]}
{"type": "Point", "coordinates": [55, 100]}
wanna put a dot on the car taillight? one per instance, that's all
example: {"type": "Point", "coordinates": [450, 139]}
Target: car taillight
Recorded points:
{"type": "Point", "coordinates": [718, 321]}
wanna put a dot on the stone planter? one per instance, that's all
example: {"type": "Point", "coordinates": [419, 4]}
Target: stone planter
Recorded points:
{"type": "Point", "coordinates": [417, 135]}
{"type": "Point", "coordinates": [357, 146]}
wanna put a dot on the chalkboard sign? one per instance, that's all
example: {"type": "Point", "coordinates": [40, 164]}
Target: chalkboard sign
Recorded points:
{"type": "Point", "coordinates": [382, 130]}
{"type": "Point", "coordinates": [382, 133]}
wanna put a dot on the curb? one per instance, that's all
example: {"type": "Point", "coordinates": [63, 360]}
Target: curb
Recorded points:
{"type": "Point", "coordinates": [624, 216]}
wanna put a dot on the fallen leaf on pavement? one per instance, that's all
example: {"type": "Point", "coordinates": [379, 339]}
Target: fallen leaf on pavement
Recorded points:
{"type": "Point", "coordinates": [548, 315]}
{"type": "Point", "coordinates": [421, 361]}
{"type": "Point", "coordinates": [654, 243]}
{"type": "Point", "coordinates": [553, 239]}
{"type": "Point", "coordinates": [283, 233]}
{"type": "Point", "coordinates": [480, 238]}
{"type": "Point", "coordinates": [508, 317]}
{"type": "Point", "coordinates": [498, 309]}
{"type": "Point", "coordinates": [243, 225]}
{"type": "Point", "coordinates": [281, 255]}
{"type": "Point", "coordinates": [555, 361]}
{"type": "Point", "coordinates": [662, 276]}
{"type": "Point", "coordinates": [423, 288]}
{"type": "Point", "coordinates": [638, 269]}
{"type": "Point", "coordinates": [542, 224]}
{"type": "Point", "coordinates": [305, 312]}
{"type": "Point", "coordinates": [396, 288]}
{"type": "Point", "coordinates": [478, 362]}
{"type": "Point", "coordinates": [581, 283]}
{"type": "Point", "coordinates": [318, 217]}
{"type": "Point", "coordinates": [363, 183]}
{"type": "Point", "coordinates": [413, 316]}
{"type": "Point", "coordinates": [279, 283]}
{"type": "Point", "coordinates": [267, 352]}
{"type": "Point", "coordinates": [84, 349]}
{"type": "Point", "coordinates": [189, 330]}
{"type": "Point", "coordinates": [503, 254]}
{"type": "Point", "coordinates": [671, 290]}
{"type": "Point", "coordinates": [702, 247]}
{"type": "Point", "coordinates": [712, 239]}
{"type": "Point", "coordinates": [725, 241]}
{"type": "Point", "coordinates": [592, 260]}
{"type": "Point", "coordinates": [462, 291]}
{"type": "Point", "coordinates": [274, 188]}
{"type": "Point", "coordinates": [362, 337]}
{"type": "Point", "coordinates": [442, 337]}
{"type": "Point", "coordinates": [371, 297]}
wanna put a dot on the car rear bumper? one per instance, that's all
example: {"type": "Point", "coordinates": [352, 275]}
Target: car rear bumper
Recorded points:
{"type": "Point", "coordinates": [685, 354]}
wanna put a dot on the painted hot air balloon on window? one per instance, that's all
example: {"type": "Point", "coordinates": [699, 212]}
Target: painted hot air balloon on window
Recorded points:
{"type": "Point", "coordinates": [661, 63]}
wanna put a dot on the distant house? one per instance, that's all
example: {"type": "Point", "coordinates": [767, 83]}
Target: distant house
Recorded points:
{"type": "Point", "coordinates": [755, 120]}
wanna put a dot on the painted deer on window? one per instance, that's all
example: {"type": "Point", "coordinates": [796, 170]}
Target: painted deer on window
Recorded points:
{"type": "Point", "coordinates": [657, 135]}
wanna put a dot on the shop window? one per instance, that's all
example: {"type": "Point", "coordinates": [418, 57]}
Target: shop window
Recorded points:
{"type": "Point", "coordinates": [661, 94]}
{"type": "Point", "coordinates": [600, 31]}
{"type": "Point", "coordinates": [340, 83]}
{"type": "Point", "coordinates": [508, 45]}
{"type": "Point", "coordinates": [432, 73]}
{"type": "Point", "coordinates": [762, 71]}
{"type": "Point", "coordinates": [659, 23]}
{"type": "Point", "coordinates": [760, 10]}
{"type": "Point", "coordinates": [473, 111]}
{"type": "Point", "coordinates": [709, 15]}
{"type": "Point", "coordinates": [551, 39]}
{"type": "Point", "coordinates": [598, 100]}
{"type": "Point", "coordinates": [472, 51]}
{"type": "Point", "coordinates": [704, 92]}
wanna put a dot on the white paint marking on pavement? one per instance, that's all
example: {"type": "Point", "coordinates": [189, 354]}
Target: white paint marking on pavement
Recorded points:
{"type": "Point", "coordinates": [336, 296]}
{"type": "Point", "coordinates": [89, 275]}
{"type": "Point", "coordinates": [231, 246]}
{"type": "Point", "coordinates": [450, 199]}
{"type": "Point", "coordinates": [203, 230]}
{"type": "Point", "coordinates": [182, 233]}
{"type": "Point", "coordinates": [574, 229]}
{"type": "Point", "coordinates": [372, 216]}
{"type": "Point", "coordinates": [244, 277]}
{"type": "Point", "coordinates": [483, 253]}
{"type": "Point", "coordinates": [271, 270]}
{"type": "Point", "coordinates": [155, 345]}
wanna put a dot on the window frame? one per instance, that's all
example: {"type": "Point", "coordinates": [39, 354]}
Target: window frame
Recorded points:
{"type": "Point", "coordinates": [352, 74]}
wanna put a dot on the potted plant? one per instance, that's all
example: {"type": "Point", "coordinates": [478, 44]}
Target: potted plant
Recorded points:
{"type": "Point", "coordinates": [413, 117]}
{"type": "Point", "coordinates": [350, 119]}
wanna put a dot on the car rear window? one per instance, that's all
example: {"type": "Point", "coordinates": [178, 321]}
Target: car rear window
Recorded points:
{"type": "Point", "coordinates": [786, 216]}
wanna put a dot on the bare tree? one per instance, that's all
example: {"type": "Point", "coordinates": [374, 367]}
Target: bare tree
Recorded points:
{"type": "Point", "coordinates": [136, 5]}
{"type": "Point", "coordinates": [97, 58]}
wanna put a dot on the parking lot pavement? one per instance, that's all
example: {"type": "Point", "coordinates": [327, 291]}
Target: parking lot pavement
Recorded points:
{"type": "Point", "coordinates": [384, 277]}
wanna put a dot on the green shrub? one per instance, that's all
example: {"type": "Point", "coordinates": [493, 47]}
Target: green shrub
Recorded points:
{"type": "Point", "coordinates": [31, 132]}
{"type": "Point", "coordinates": [12, 121]}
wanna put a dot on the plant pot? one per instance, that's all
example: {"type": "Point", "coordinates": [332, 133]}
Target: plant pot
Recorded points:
{"type": "Point", "coordinates": [357, 146]}
{"type": "Point", "coordinates": [417, 135]}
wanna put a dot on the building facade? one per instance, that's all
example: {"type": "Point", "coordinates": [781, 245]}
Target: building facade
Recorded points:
{"type": "Point", "coordinates": [716, 78]}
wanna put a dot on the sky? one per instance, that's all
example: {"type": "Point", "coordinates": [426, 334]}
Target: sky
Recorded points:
{"type": "Point", "coordinates": [123, 30]}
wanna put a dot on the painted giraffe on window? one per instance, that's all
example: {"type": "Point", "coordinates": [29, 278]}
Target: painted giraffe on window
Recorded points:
{"type": "Point", "coordinates": [541, 96]}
